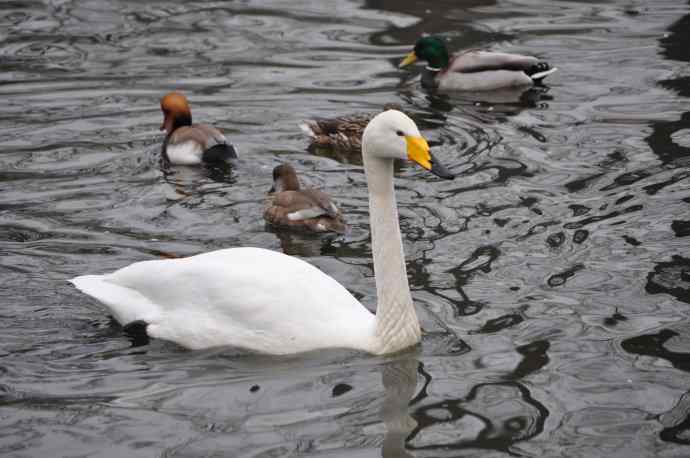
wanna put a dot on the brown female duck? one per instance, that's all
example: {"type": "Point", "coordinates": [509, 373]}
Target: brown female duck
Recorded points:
{"type": "Point", "coordinates": [294, 207]}
{"type": "Point", "coordinates": [343, 133]}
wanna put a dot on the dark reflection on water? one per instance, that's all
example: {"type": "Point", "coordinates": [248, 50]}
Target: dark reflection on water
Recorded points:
{"type": "Point", "coordinates": [677, 422]}
{"type": "Point", "coordinates": [653, 345]}
{"type": "Point", "coordinates": [671, 278]}
{"type": "Point", "coordinates": [551, 277]}
{"type": "Point", "coordinates": [512, 415]}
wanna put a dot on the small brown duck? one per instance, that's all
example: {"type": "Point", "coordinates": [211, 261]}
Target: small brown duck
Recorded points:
{"type": "Point", "coordinates": [342, 133]}
{"type": "Point", "coordinates": [187, 143]}
{"type": "Point", "coordinates": [291, 206]}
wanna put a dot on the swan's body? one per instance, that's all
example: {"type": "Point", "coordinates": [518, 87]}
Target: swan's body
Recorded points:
{"type": "Point", "coordinates": [273, 303]}
{"type": "Point", "coordinates": [475, 70]}
{"type": "Point", "coordinates": [243, 297]}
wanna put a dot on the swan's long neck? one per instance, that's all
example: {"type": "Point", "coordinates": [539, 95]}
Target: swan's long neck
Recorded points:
{"type": "Point", "coordinates": [397, 326]}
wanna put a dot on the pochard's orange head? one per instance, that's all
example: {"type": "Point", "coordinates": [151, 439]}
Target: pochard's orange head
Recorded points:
{"type": "Point", "coordinates": [176, 112]}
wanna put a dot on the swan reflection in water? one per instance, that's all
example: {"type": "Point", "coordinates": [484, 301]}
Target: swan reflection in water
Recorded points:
{"type": "Point", "coordinates": [491, 416]}
{"type": "Point", "coordinates": [399, 382]}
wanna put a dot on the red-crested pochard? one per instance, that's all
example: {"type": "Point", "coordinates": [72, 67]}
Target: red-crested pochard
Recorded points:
{"type": "Point", "coordinates": [187, 143]}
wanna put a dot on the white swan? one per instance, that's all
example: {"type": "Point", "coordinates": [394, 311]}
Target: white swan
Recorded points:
{"type": "Point", "coordinates": [270, 302]}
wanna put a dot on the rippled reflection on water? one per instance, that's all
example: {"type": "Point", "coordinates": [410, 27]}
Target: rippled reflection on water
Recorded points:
{"type": "Point", "coordinates": [552, 277]}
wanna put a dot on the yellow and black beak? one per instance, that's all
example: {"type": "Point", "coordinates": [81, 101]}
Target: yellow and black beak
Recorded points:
{"type": "Point", "coordinates": [411, 58]}
{"type": "Point", "coordinates": [418, 151]}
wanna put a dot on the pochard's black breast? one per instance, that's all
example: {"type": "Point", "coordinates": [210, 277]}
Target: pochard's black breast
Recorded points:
{"type": "Point", "coordinates": [164, 151]}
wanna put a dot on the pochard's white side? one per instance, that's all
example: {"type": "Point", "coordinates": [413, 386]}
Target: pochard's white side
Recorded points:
{"type": "Point", "coordinates": [186, 153]}
{"type": "Point", "coordinates": [269, 302]}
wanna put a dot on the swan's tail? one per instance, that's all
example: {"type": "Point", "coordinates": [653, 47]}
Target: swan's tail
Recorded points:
{"type": "Point", "coordinates": [126, 305]}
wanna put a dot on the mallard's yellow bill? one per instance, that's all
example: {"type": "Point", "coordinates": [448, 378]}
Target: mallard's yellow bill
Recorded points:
{"type": "Point", "coordinates": [418, 151]}
{"type": "Point", "coordinates": [411, 58]}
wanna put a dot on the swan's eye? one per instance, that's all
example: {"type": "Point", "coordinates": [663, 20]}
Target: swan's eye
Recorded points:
{"type": "Point", "coordinates": [400, 133]}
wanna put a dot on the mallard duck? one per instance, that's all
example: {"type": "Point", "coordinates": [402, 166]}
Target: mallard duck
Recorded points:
{"type": "Point", "coordinates": [344, 132]}
{"type": "Point", "coordinates": [269, 302]}
{"type": "Point", "coordinates": [474, 70]}
{"type": "Point", "coordinates": [187, 143]}
{"type": "Point", "coordinates": [294, 207]}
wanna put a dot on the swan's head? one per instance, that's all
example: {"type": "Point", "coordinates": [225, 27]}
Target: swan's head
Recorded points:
{"type": "Point", "coordinates": [393, 135]}
{"type": "Point", "coordinates": [176, 112]}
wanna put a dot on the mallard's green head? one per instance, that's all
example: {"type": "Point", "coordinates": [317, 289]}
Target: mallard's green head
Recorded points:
{"type": "Point", "coordinates": [431, 49]}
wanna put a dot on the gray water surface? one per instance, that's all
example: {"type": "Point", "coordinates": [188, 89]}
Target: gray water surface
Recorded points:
{"type": "Point", "coordinates": [552, 277]}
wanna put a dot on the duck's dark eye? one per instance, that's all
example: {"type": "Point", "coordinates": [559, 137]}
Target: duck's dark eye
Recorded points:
{"type": "Point", "coordinates": [400, 133]}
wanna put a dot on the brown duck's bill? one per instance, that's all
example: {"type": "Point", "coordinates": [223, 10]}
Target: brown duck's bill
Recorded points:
{"type": "Point", "coordinates": [411, 58]}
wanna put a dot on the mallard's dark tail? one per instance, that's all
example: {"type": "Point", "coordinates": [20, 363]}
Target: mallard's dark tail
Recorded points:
{"type": "Point", "coordinates": [539, 71]}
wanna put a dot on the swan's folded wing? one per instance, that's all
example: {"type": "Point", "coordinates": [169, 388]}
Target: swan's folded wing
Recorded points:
{"type": "Point", "coordinates": [126, 304]}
